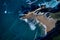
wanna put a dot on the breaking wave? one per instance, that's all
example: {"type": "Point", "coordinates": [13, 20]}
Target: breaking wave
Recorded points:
{"type": "Point", "coordinates": [31, 25]}
{"type": "Point", "coordinates": [29, 1]}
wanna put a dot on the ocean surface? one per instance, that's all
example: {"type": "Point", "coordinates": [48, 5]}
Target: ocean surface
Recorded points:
{"type": "Point", "coordinates": [13, 28]}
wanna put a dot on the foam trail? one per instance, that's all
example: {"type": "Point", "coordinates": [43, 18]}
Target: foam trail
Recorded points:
{"type": "Point", "coordinates": [29, 2]}
{"type": "Point", "coordinates": [35, 35]}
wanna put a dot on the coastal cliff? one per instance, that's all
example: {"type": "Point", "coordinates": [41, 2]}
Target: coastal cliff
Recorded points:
{"type": "Point", "coordinates": [50, 24]}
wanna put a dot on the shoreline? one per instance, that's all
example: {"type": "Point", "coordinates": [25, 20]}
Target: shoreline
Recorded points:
{"type": "Point", "coordinates": [50, 24]}
{"type": "Point", "coordinates": [34, 27]}
{"type": "Point", "coordinates": [45, 28]}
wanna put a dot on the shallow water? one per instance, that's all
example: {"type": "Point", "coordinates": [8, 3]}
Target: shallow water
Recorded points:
{"type": "Point", "coordinates": [11, 27]}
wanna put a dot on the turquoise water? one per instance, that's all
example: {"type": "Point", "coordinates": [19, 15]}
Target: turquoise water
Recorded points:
{"type": "Point", "coordinates": [15, 5]}
{"type": "Point", "coordinates": [12, 28]}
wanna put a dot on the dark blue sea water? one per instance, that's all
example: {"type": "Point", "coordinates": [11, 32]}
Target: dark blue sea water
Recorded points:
{"type": "Point", "coordinates": [11, 27]}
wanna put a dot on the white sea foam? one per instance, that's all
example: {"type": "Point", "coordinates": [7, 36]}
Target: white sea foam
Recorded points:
{"type": "Point", "coordinates": [30, 2]}
{"type": "Point", "coordinates": [25, 20]}
{"type": "Point", "coordinates": [45, 28]}
{"type": "Point", "coordinates": [31, 25]}
{"type": "Point", "coordinates": [37, 21]}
